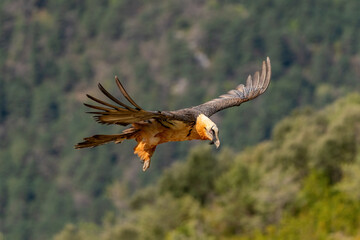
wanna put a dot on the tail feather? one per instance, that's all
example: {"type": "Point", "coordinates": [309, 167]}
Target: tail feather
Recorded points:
{"type": "Point", "coordinates": [97, 140]}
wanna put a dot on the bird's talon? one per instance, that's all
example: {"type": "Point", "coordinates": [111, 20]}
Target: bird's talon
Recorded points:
{"type": "Point", "coordinates": [146, 165]}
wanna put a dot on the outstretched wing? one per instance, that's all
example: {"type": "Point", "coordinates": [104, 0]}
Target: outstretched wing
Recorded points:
{"type": "Point", "coordinates": [122, 114]}
{"type": "Point", "coordinates": [255, 86]}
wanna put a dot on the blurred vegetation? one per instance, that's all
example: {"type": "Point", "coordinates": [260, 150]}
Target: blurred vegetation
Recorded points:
{"type": "Point", "coordinates": [53, 52]}
{"type": "Point", "coordinates": [294, 186]}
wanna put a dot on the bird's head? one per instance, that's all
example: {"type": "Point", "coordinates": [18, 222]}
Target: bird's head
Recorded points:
{"type": "Point", "coordinates": [207, 130]}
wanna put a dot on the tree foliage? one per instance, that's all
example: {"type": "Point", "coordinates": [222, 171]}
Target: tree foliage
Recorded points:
{"type": "Point", "coordinates": [171, 55]}
{"type": "Point", "coordinates": [266, 192]}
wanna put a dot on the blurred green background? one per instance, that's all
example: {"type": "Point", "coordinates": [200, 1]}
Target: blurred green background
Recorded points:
{"type": "Point", "coordinates": [289, 164]}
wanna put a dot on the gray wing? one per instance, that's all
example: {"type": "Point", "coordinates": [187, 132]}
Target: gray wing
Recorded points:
{"type": "Point", "coordinates": [255, 86]}
{"type": "Point", "coordinates": [123, 114]}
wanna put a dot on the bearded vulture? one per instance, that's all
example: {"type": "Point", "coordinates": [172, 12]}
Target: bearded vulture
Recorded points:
{"type": "Point", "coordinates": [151, 128]}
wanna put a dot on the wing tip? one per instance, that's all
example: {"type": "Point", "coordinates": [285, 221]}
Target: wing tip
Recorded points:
{"type": "Point", "coordinates": [268, 73]}
{"type": "Point", "coordinates": [259, 82]}
{"type": "Point", "coordinates": [126, 95]}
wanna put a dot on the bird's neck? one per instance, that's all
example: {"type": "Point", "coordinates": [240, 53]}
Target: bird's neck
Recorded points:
{"type": "Point", "coordinates": [202, 123]}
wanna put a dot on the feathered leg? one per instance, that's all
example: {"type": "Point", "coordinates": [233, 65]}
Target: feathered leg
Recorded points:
{"type": "Point", "coordinates": [145, 153]}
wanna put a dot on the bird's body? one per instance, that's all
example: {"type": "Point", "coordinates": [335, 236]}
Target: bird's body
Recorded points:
{"type": "Point", "coordinates": [150, 128]}
{"type": "Point", "coordinates": [152, 133]}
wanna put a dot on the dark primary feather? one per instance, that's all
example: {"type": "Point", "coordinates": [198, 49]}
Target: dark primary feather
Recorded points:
{"type": "Point", "coordinates": [126, 95]}
{"type": "Point", "coordinates": [255, 86]}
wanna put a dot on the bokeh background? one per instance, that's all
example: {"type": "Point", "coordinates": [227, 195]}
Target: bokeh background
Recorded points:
{"type": "Point", "coordinates": [289, 164]}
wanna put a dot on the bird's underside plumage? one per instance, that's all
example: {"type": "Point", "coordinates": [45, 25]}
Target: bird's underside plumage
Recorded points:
{"type": "Point", "coordinates": [151, 128]}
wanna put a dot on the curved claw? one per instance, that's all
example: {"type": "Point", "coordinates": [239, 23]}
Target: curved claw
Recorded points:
{"type": "Point", "coordinates": [146, 165]}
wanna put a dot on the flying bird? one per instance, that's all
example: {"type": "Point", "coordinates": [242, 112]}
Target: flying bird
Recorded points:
{"type": "Point", "coordinates": [151, 128]}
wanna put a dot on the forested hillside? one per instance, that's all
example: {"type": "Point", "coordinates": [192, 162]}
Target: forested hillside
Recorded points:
{"type": "Point", "coordinates": [168, 54]}
{"type": "Point", "coordinates": [302, 184]}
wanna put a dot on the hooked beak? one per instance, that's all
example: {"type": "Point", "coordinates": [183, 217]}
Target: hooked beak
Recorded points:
{"type": "Point", "coordinates": [215, 141]}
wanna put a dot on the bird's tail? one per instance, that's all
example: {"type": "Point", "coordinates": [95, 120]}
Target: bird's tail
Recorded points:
{"type": "Point", "coordinates": [97, 140]}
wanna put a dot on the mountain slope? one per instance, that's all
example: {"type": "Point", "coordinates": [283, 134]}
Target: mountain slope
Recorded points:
{"type": "Point", "coordinates": [168, 55]}
{"type": "Point", "coordinates": [305, 175]}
